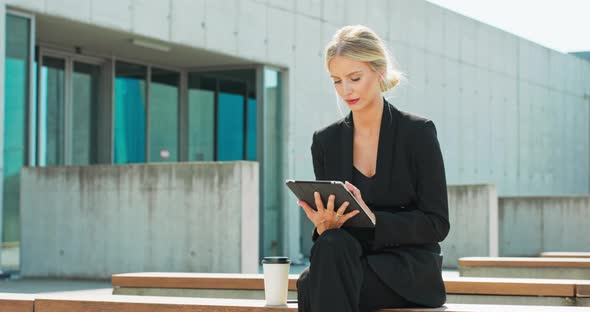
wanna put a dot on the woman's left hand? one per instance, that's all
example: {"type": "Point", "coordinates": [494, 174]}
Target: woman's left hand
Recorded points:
{"type": "Point", "coordinates": [359, 198]}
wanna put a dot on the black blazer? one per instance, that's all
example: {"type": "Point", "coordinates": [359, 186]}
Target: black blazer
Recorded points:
{"type": "Point", "coordinates": [409, 199]}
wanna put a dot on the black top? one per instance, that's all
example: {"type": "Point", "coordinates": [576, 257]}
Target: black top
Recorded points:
{"type": "Point", "coordinates": [408, 196]}
{"type": "Point", "coordinates": [364, 184]}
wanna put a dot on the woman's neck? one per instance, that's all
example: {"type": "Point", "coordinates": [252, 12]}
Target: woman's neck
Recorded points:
{"type": "Point", "coordinates": [368, 120]}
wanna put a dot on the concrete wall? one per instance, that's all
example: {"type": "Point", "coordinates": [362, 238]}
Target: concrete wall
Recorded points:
{"type": "Point", "coordinates": [473, 214]}
{"type": "Point", "coordinates": [509, 112]}
{"type": "Point", "coordinates": [95, 221]}
{"type": "Point", "coordinates": [530, 225]}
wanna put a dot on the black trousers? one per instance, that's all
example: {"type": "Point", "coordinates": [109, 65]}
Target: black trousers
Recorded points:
{"type": "Point", "coordinates": [340, 279]}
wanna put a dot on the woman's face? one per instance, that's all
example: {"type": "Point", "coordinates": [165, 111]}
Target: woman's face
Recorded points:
{"type": "Point", "coordinates": [356, 82]}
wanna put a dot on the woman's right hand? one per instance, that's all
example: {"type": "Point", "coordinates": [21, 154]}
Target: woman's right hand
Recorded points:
{"type": "Point", "coordinates": [326, 218]}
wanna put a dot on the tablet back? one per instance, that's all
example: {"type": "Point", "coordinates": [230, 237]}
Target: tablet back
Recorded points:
{"type": "Point", "coordinates": [304, 190]}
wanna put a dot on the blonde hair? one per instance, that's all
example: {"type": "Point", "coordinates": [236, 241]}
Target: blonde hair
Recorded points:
{"type": "Point", "coordinates": [360, 43]}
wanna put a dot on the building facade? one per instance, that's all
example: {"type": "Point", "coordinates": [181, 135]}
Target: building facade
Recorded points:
{"type": "Point", "coordinates": [134, 81]}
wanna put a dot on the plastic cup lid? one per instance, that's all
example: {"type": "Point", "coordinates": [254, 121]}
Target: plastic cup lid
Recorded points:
{"type": "Point", "coordinates": [273, 260]}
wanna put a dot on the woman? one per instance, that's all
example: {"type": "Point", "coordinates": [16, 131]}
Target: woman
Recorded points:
{"type": "Point", "coordinates": [394, 162]}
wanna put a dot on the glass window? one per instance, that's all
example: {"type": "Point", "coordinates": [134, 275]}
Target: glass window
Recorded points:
{"type": "Point", "coordinates": [222, 115]}
{"type": "Point", "coordinates": [52, 111]}
{"type": "Point", "coordinates": [230, 120]}
{"type": "Point", "coordinates": [130, 113]}
{"type": "Point", "coordinates": [271, 165]}
{"type": "Point", "coordinates": [251, 131]}
{"type": "Point", "coordinates": [85, 97]}
{"type": "Point", "coordinates": [16, 92]}
{"type": "Point", "coordinates": [163, 112]}
{"type": "Point", "coordinates": [201, 118]}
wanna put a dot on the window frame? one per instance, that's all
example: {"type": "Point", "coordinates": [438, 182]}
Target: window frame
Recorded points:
{"type": "Point", "coordinates": [69, 59]}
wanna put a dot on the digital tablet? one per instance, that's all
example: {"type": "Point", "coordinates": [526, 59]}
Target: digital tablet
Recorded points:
{"type": "Point", "coordinates": [304, 190]}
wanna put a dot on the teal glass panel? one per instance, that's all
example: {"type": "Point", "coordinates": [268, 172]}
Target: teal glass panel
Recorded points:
{"type": "Point", "coordinates": [16, 99]}
{"type": "Point", "coordinates": [52, 106]}
{"type": "Point", "coordinates": [201, 118]}
{"type": "Point", "coordinates": [251, 133]}
{"type": "Point", "coordinates": [163, 115]}
{"type": "Point", "coordinates": [85, 101]}
{"type": "Point", "coordinates": [231, 121]}
{"type": "Point", "coordinates": [272, 214]}
{"type": "Point", "coordinates": [130, 113]}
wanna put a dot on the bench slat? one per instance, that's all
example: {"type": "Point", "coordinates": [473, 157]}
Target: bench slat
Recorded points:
{"type": "Point", "coordinates": [492, 308]}
{"type": "Point", "coordinates": [454, 285]}
{"type": "Point", "coordinates": [510, 287]}
{"type": "Point", "coordinates": [583, 291]}
{"type": "Point", "coordinates": [173, 304]}
{"type": "Point", "coordinates": [524, 262]}
{"type": "Point", "coordinates": [16, 302]}
{"type": "Point", "coordinates": [565, 254]}
{"type": "Point", "coordinates": [150, 304]}
{"type": "Point", "coordinates": [195, 280]}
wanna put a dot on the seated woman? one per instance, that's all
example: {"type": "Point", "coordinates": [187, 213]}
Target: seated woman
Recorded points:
{"type": "Point", "coordinates": [394, 164]}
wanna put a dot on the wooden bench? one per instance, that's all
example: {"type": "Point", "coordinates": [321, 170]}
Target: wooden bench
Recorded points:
{"type": "Point", "coordinates": [251, 286]}
{"type": "Point", "coordinates": [16, 302]}
{"type": "Point", "coordinates": [554, 268]}
{"type": "Point", "coordinates": [564, 254]}
{"type": "Point", "coordinates": [169, 304]}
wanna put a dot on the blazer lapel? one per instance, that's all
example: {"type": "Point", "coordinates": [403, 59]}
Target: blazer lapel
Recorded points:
{"type": "Point", "coordinates": [346, 138]}
{"type": "Point", "coordinates": [385, 149]}
{"type": "Point", "coordinates": [387, 145]}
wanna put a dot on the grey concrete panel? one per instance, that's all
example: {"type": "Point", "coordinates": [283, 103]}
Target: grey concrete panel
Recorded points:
{"type": "Point", "coordinates": [495, 40]}
{"type": "Point", "coordinates": [334, 12]}
{"type": "Point", "coordinates": [187, 22]}
{"type": "Point", "coordinates": [327, 32]}
{"type": "Point", "coordinates": [288, 6]}
{"type": "Point", "coordinates": [309, 66]}
{"type": "Point", "coordinates": [467, 40]}
{"type": "Point", "coordinates": [221, 26]}
{"type": "Point", "coordinates": [190, 217]}
{"type": "Point", "coordinates": [451, 42]}
{"type": "Point", "coordinates": [71, 9]}
{"type": "Point", "coordinates": [377, 16]}
{"type": "Point", "coordinates": [357, 12]}
{"type": "Point", "coordinates": [520, 228]}
{"type": "Point", "coordinates": [115, 14]}
{"type": "Point", "coordinates": [312, 8]}
{"type": "Point", "coordinates": [566, 224]}
{"type": "Point", "coordinates": [416, 29]}
{"type": "Point", "coordinates": [152, 18]}
{"type": "Point", "coordinates": [539, 58]}
{"type": "Point", "coordinates": [32, 5]}
{"type": "Point", "coordinates": [252, 27]}
{"type": "Point", "coordinates": [435, 28]}
{"type": "Point", "coordinates": [398, 28]}
{"type": "Point", "coordinates": [510, 55]}
{"type": "Point", "coordinates": [483, 42]}
{"type": "Point", "coordinates": [531, 225]}
{"type": "Point", "coordinates": [471, 211]}
{"type": "Point", "coordinates": [280, 34]}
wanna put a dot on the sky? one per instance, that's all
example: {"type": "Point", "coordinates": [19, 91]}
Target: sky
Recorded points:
{"type": "Point", "coordinates": [562, 25]}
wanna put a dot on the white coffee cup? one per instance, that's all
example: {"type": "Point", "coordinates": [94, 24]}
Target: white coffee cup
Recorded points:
{"type": "Point", "coordinates": [276, 280]}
